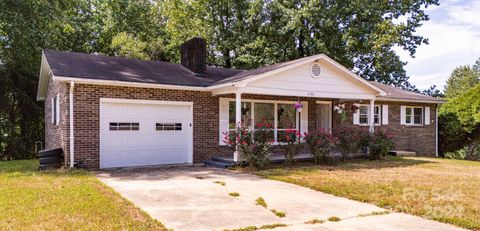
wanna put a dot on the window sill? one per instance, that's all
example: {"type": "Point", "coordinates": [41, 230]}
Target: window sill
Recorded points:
{"type": "Point", "coordinates": [367, 125]}
{"type": "Point", "coordinates": [414, 125]}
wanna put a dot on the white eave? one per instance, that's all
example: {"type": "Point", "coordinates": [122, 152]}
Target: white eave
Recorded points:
{"type": "Point", "coordinates": [410, 100]}
{"type": "Point", "coordinates": [43, 78]}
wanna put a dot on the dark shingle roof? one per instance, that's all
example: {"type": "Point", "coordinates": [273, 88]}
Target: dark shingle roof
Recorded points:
{"type": "Point", "coordinates": [101, 67]}
{"type": "Point", "coordinates": [400, 94]}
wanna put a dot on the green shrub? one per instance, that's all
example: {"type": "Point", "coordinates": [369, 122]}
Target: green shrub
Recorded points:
{"type": "Point", "coordinates": [351, 139]}
{"type": "Point", "coordinates": [292, 146]}
{"type": "Point", "coordinates": [254, 147]}
{"type": "Point", "coordinates": [321, 144]}
{"type": "Point", "coordinates": [380, 143]}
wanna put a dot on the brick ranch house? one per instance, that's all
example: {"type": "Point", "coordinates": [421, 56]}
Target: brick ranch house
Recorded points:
{"type": "Point", "coordinates": [113, 112]}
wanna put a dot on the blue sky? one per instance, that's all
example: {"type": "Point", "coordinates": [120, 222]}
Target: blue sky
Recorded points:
{"type": "Point", "coordinates": [454, 35]}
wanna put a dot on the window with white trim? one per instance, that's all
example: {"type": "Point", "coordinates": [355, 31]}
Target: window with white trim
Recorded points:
{"type": "Point", "coordinates": [56, 109]}
{"type": "Point", "coordinates": [414, 115]}
{"type": "Point", "coordinates": [280, 115]}
{"type": "Point", "coordinates": [364, 111]}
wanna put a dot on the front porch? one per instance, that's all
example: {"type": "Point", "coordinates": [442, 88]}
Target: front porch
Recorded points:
{"type": "Point", "coordinates": [228, 161]}
{"type": "Point", "coordinates": [280, 111]}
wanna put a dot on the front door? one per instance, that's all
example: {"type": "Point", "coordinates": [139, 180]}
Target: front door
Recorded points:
{"type": "Point", "coordinates": [324, 116]}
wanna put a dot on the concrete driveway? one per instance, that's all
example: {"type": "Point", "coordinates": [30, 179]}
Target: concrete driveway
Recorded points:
{"type": "Point", "coordinates": [187, 198]}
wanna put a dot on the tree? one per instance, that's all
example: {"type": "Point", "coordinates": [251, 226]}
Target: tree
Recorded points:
{"type": "Point", "coordinates": [433, 91]}
{"type": "Point", "coordinates": [462, 79]}
{"type": "Point", "coordinates": [360, 34]}
{"type": "Point", "coordinates": [460, 121]}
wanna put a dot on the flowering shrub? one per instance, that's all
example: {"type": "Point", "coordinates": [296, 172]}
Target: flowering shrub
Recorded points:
{"type": "Point", "coordinates": [380, 143]}
{"type": "Point", "coordinates": [351, 139]}
{"type": "Point", "coordinates": [340, 109]}
{"type": "Point", "coordinates": [254, 147]}
{"type": "Point", "coordinates": [321, 143]}
{"type": "Point", "coordinates": [292, 146]}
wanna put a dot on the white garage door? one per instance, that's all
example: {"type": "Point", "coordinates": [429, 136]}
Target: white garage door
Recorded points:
{"type": "Point", "coordinates": [138, 133]}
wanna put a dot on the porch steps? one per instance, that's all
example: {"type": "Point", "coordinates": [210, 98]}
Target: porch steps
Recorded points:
{"type": "Point", "coordinates": [402, 153]}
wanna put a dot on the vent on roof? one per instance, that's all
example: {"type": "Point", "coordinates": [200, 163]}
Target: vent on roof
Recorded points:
{"type": "Point", "coordinates": [315, 70]}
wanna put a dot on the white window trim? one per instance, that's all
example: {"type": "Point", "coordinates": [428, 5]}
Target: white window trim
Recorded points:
{"type": "Point", "coordinates": [56, 109]}
{"type": "Point", "coordinates": [368, 115]}
{"type": "Point", "coordinates": [275, 116]}
{"type": "Point", "coordinates": [57, 102]}
{"type": "Point", "coordinates": [412, 123]}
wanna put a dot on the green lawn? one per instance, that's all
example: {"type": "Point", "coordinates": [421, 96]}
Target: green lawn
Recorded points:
{"type": "Point", "coordinates": [63, 200]}
{"type": "Point", "coordinates": [439, 189]}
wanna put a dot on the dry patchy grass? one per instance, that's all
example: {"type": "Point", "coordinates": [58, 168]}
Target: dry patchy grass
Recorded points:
{"type": "Point", "coordinates": [63, 200]}
{"type": "Point", "coordinates": [439, 189]}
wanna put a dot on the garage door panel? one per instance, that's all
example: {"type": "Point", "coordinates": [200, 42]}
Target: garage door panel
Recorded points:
{"type": "Point", "coordinates": [153, 143]}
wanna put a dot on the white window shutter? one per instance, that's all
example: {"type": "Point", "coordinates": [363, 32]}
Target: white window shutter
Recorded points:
{"type": "Point", "coordinates": [385, 114]}
{"type": "Point", "coordinates": [53, 110]}
{"type": "Point", "coordinates": [356, 117]}
{"type": "Point", "coordinates": [427, 115]}
{"type": "Point", "coordinates": [304, 118]}
{"type": "Point", "coordinates": [403, 114]}
{"type": "Point", "coordinates": [57, 101]}
{"type": "Point", "coordinates": [223, 116]}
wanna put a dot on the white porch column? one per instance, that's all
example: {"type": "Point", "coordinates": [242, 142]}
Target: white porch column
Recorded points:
{"type": "Point", "coordinates": [371, 116]}
{"type": "Point", "coordinates": [238, 118]}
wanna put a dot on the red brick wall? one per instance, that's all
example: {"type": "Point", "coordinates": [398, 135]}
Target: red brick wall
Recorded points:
{"type": "Point", "coordinates": [420, 139]}
{"type": "Point", "coordinates": [56, 136]}
{"type": "Point", "coordinates": [86, 116]}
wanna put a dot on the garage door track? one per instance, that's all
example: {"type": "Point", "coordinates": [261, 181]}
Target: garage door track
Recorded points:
{"type": "Point", "coordinates": [197, 198]}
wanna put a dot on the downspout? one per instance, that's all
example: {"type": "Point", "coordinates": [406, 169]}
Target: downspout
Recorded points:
{"type": "Point", "coordinates": [436, 131]}
{"type": "Point", "coordinates": [72, 141]}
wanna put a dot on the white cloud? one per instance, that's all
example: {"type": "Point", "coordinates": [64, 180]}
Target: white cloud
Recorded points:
{"type": "Point", "coordinates": [454, 35]}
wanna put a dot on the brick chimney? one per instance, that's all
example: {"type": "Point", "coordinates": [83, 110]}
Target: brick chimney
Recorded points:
{"type": "Point", "coordinates": [194, 55]}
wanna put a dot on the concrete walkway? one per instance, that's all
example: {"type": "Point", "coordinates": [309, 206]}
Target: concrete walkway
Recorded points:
{"type": "Point", "coordinates": [186, 198]}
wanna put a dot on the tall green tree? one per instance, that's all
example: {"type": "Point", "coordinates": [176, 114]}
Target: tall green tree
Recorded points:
{"type": "Point", "coordinates": [25, 28]}
{"type": "Point", "coordinates": [462, 79]}
{"type": "Point", "coordinates": [460, 122]}
{"type": "Point", "coordinates": [360, 34]}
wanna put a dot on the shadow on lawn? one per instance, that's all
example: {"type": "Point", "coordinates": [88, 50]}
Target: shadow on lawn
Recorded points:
{"type": "Point", "coordinates": [31, 167]}
{"type": "Point", "coordinates": [348, 165]}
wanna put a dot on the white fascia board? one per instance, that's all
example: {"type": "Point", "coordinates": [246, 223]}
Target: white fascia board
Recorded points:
{"type": "Point", "coordinates": [313, 94]}
{"type": "Point", "coordinates": [43, 79]}
{"type": "Point", "coordinates": [128, 84]}
{"type": "Point", "coordinates": [409, 100]}
{"type": "Point", "coordinates": [353, 75]}
{"type": "Point", "coordinates": [141, 101]}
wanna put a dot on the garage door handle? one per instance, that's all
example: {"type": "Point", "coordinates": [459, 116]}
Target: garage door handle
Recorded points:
{"type": "Point", "coordinates": [190, 124]}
